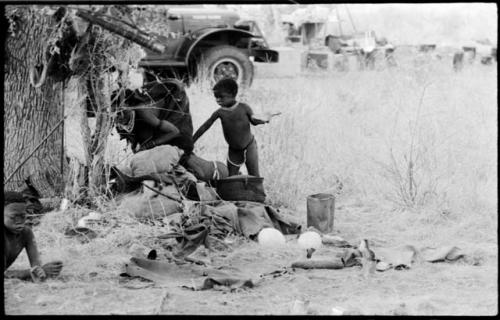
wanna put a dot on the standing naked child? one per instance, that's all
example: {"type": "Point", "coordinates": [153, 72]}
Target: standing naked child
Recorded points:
{"type": "Point", "coordinates": [17, 236]}
{"type": "Point", "coordinates": [236, 118]}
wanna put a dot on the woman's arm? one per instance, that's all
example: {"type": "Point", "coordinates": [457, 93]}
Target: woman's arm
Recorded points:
{"type": "Point", "coordinates": [205, 126]}
{"type": "Point", "coordinates": [168, 132]}
{"type": "Point", "coordinates": [165, 129]}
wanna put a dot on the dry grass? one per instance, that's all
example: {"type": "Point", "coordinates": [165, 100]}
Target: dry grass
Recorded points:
{"type": "Point", "coordinates": [364, 127]}
{"type": "Point", "coordinates": [337, 127]}
{"type": "Point", "coordinates": [361, 128]}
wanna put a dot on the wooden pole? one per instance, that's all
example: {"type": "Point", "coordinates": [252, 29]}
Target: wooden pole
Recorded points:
{"type": "Point", "coordinates": [62, 135]}
{"type": "Point", "coordinates": [123, 29]}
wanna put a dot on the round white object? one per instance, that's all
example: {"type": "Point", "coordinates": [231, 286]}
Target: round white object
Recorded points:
{"type": "Point", "coordinates": [270, 237]}
{"type": "Point", "coordinates": [337, 311]}
{"type": "Point", "coordinates": [83, 222]}
{"type": "Point", "coordinates": [94, 215]}
{"type": "Point", "coordinates": [309, 239]}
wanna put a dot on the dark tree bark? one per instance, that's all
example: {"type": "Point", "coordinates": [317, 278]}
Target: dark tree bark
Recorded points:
{"type": "Point", "coordinates": [78, 62]}
{"type": "Point", "coordinates": [31, 113]}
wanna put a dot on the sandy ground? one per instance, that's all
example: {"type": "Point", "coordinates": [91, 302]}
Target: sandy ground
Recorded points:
{"type": "Point", "coordinates": [458, 288]}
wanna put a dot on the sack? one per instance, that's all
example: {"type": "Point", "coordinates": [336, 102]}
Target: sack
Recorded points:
{"type": "Point", "coordinates": [242, 188]}
{"type": "Point", "coordinates": [206, 170]}
{"type": "Point", "coordinates": [157, 160]}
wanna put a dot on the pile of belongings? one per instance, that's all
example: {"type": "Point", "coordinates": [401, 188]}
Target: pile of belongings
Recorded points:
{"type": "Point", "coordinates": [168, 186]}
{"type": "Point", "coordinates": [160, 164]}
{"type": "Point", "coordinates": [210, 224]}
{"type": "Point", "coordinates": [385, 258]}
{"type": "Point", "coordinates": [172, 193]}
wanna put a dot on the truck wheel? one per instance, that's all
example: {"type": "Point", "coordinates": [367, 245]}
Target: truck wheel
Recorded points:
{"type": "Point", "coordinates": [226, 61]}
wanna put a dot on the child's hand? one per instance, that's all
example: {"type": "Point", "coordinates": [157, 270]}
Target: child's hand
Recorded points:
{"type": "Point", "coordinates": [52, 269]}
{"type": "Point", "coordinates": [38, 274]}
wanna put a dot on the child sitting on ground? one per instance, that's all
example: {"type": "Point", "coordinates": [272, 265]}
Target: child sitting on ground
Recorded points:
{"type": "Point", "coordinates": [236, 118]}
{"type": "Point", "coordinates": [17, 236]}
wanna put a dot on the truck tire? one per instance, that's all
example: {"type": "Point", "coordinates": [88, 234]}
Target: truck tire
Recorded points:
{"type": "Point", "coordinates": [226, 61]}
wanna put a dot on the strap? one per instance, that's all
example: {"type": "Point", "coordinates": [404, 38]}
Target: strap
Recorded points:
{"type": "Point", "coordinates": [244, 159]}
{"type": "Point", "coordinates": [215, 176]}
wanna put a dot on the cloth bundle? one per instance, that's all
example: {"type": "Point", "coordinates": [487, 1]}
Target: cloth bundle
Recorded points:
{"type": "Point", "coordinates": [205, 222]}
{"type": "Point", "coordinates": [157, 160]}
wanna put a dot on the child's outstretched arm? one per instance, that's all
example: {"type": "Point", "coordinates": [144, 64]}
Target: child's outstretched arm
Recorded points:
{"type": "Point", "coordinates": [256, 121]}
{"type": "Point", "coordinates": [262, 118]}
{"type": "Point", "coordinates": [253, 120]}
{"type": "Point", "coordinates": [205, 126]}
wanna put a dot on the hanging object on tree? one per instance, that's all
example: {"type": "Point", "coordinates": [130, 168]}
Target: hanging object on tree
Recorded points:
{"type": "Point", "coordinates": [37, 78]}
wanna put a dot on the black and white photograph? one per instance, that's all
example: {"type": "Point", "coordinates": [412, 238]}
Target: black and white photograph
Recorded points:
{"type": "Point", "coordinates": [250, 158]}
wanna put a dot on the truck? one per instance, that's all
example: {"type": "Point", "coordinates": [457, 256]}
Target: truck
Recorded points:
{"type": "Point", "coordinates": [196, 42]}
{"type": "Point", "coordinates": [322, 34]}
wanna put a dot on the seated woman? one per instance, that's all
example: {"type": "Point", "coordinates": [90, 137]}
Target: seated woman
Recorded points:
{"type": "Point", "coordinates": [17, 236]}
{"type": "Point", "coordinates": [158, 114]}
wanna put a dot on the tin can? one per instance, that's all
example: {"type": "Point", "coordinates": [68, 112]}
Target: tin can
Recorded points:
{"type": "Point", "coordinates": [320, 211]}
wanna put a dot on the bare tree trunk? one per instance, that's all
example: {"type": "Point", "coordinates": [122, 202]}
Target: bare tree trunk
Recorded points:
{"type": "Point", "coordinates": [35, 104]}
{"type": "Point", "coordinates": [101, 133]}
{"type": "Point", "coordinates": [87, 179]}
{"type": "Point", "coordinates": [31, 113]}
{"type": "Point", "coordinates": [77, 136]}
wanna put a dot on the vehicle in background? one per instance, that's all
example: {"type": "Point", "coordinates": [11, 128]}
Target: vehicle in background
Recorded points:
{"type": "Point", "coordinates": [214, 43]}
{"type": "Point", "coordinates": [193, 42]}
{"type": "Point", "coordinates": [329, 46]}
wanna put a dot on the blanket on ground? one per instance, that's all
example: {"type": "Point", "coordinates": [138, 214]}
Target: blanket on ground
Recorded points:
{"type": "Point", "coordinates": [164, 273]}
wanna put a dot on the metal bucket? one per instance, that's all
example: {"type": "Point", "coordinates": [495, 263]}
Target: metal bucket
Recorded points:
{"type": "Point", "coordinates": [320, 210]}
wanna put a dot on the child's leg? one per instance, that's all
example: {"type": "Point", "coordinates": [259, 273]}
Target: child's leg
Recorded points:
{"type": "Point", "coordinates": [232, 170]}
{"type": "Point", "coordinates": [252, 159]}
{"type": "Point", "coordinates": [235, 159]}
